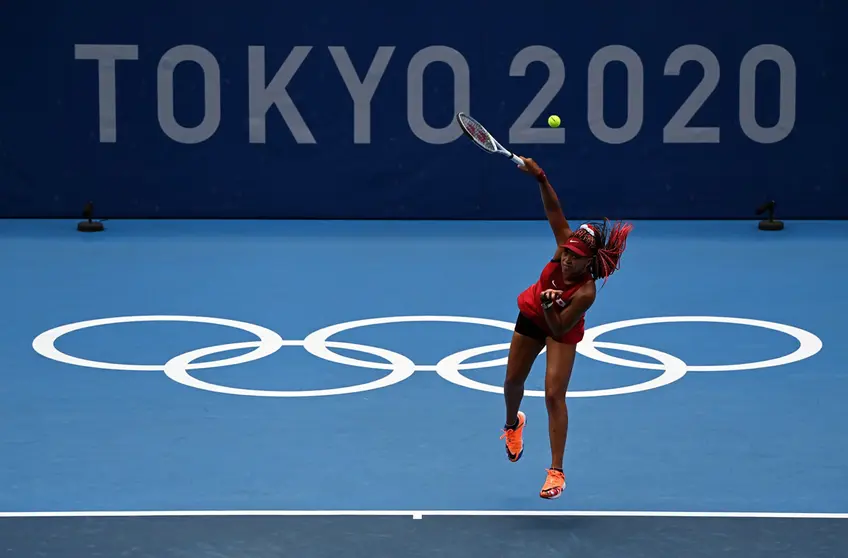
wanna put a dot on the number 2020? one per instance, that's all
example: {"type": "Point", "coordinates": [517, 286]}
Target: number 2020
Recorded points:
{"type": "Point", "coordinates": [677, 129]}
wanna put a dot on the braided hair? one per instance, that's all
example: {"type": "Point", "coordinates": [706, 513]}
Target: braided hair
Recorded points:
{"type": "Point", "coordinates": [607, 242]}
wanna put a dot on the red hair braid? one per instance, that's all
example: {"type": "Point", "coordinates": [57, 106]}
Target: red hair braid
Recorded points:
{"type": "Point", "coordinates": [610, 242]}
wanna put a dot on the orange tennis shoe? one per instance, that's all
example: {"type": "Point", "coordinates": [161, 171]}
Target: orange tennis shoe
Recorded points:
{"type": "Point", "coordinates": [554, 485]}
{"type": "Point", "coordinates": [515, 439]}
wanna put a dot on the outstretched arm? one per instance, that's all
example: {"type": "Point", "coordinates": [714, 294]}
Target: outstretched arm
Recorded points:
{"type": "Point", "coordinates": [550, 201]}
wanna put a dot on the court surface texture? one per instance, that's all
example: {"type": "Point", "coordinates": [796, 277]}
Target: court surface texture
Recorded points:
{"type": "Point", "coordinates": [316, 389]}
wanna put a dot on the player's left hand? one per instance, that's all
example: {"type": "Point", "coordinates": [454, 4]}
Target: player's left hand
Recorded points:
{"type": "Point", "coordinates": [550, 295]}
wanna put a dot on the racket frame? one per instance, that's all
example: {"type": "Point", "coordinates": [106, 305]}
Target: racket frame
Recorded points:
{"type": "Point", "coordinates": [499, 149]}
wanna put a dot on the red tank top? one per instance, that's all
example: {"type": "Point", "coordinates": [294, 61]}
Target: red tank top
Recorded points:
{"type": "Point", "coordinates": [530, 305]}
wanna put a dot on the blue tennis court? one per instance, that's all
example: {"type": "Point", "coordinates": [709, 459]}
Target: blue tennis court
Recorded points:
{"type": "Point", "coordinates": [238, 388]}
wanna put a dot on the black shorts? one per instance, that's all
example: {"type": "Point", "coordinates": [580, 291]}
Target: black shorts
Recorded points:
{"type": "Point", "coordinates": [526, 326]}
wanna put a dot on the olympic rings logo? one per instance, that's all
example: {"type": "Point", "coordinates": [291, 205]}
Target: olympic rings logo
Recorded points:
{"type": "Point", "coordinates": [400, 367]}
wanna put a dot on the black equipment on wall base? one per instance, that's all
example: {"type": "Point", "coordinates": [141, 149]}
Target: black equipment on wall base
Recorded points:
{"type": "Point", "coordinates": [770, 223]}
{"type": "Point", "coordinates": [89, 225]}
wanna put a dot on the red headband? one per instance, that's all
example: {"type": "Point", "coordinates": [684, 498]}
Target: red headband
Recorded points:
{"type": "Point", "coordinates": [582, 242]}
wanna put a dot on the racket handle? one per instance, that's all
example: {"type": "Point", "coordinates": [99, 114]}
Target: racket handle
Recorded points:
{"type": "Point", "coordinates": [517, 160]}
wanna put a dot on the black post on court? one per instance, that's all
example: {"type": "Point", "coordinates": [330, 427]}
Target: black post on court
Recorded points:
{"type": "Point", "coordinates": [89, 225]}
{"type": "Point", "coordinates": [769, 223]}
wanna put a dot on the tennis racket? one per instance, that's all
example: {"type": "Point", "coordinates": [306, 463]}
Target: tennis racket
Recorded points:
{"type": "Point", "coordinates": [484, 140]}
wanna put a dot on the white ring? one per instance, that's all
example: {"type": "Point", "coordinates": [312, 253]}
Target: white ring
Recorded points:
{"type": "Point", "coordinates": [316, 342]}
{"type": "Point", "coordinates": [177, 367]}
{"type": "Point", "coordinates": [448, 368]}
{"type": "Point", "coordinates": [809, 343]}
{"type": "Point", "coordinates": [269, 342]}
{"type": "Point", "coordinates": [401, 367]}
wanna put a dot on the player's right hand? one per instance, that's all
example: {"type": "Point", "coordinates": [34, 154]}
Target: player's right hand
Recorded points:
{"type": "Point", "coordinates": [531, 167]}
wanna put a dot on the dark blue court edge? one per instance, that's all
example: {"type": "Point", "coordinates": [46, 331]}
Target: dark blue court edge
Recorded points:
{"type": "Point", "coordinates": [402, 537]}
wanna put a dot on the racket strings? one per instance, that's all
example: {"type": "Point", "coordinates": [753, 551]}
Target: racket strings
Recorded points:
{"type": "Point", "coordinates": [479, 134]}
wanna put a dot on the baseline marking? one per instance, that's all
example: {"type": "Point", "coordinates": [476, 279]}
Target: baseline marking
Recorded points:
{"type": "Point", "coordinates": [418, 514]}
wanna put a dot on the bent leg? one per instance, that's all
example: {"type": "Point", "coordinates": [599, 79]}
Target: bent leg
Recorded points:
{"type": "Point", "coordinates": [523, 351]}
{"type": "Point", "coordinates": [557, 377]}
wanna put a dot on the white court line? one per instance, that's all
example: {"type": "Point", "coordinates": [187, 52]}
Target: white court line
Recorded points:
{"type": "Point", "coordinates": [419, 514]}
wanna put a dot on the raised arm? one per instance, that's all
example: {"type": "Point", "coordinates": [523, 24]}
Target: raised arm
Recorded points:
{"type": "Point", "coordinates": [550, 201]}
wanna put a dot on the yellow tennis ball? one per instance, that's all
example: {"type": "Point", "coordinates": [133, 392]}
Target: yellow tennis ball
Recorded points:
{"type": "Point", "coordinates": [554, 121]}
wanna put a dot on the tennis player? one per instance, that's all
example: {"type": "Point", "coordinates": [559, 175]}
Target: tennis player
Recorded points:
{"type": "Point", "coordinates": [552, 314]}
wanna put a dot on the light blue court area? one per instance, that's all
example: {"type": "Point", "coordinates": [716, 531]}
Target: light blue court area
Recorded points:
{"type": "Point", "coordinates": [738, 410]}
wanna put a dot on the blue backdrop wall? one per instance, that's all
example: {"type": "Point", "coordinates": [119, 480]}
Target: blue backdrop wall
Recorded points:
{"type": "Point", "coordinates": [331, 109]}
